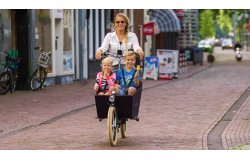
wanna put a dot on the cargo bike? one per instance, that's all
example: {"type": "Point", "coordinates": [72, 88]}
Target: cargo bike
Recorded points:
{"type": "Point", "coordinates": [118, 109]}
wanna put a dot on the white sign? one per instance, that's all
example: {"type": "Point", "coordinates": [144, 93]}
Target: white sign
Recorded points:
{"type": "Point", "coordinates": [168, 62]}
{"type": "Point", "coordinates": [57, 13]}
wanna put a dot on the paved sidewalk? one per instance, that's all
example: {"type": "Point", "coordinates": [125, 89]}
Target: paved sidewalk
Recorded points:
{"type": "Point", "coordinates": [25, 109]}
{"type": "Point", "coordinates": [237, 133]}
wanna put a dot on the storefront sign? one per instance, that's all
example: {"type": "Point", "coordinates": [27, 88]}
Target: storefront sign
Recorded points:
{"type": "Point", "coordinates": [148, 29]}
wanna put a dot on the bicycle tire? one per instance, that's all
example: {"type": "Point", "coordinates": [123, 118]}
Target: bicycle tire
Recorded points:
{"type": "Point", "coordinates": [112, 126]}
{"type": "Point", "coordinates": [38, 78]}
{"type": "Point", "coordinates": [123, 129]}
{"type": "Point", "coordinates": [4, 82]}
{"type": "Point", "coordinates": [12, 83]}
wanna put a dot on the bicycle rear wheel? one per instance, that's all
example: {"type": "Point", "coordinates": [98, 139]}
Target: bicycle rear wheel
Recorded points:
{"type": "Point", "coordinates": [123, 129]}
{"type": "Point", "coordinates": [112, 126]}
{"type": "Point", "coordinates": [4, 82]}
{"type": "Point", "coordinates": [38, 78]}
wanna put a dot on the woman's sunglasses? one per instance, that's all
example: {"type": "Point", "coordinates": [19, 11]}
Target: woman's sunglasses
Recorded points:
{"type": "Point", "coordinates": [117, 22]}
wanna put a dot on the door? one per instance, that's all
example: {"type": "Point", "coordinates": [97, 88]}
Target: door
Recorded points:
{"type": "Point", "coordinates": [21, 23]}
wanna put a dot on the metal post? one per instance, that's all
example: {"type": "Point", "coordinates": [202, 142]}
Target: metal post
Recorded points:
{"type": "Point", "coordinates": [234, 27]}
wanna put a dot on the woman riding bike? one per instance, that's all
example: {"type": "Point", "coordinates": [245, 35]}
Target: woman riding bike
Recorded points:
{"type": "Point", "coordinates": [121, 40]}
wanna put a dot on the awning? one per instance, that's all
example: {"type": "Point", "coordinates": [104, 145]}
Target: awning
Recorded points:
{"type": "Point", "coordinates": [166, 20]}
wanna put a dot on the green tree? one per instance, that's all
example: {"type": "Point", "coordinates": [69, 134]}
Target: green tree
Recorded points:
{"type": "Point", "coordinates": [224, 21]}
{"type": "Point", "coordinates": [207, 25]}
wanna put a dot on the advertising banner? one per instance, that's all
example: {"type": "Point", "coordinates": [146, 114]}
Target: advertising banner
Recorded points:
{"type": "Point", "coordinates": [151, 68]}
{"type": "Point", "coordinates": [168, 62]}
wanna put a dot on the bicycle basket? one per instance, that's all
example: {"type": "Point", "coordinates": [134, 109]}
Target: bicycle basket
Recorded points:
{"type": "Point", "coordinates": [12, 63]}
{"type": "Point", "coordinates": [43, 59]}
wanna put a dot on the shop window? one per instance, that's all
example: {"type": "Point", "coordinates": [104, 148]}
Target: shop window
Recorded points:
{"type": "Point", "coordinates": [43, 33]}
{"type": "Point", "coordinates": [67, 39]}
{"type": "Point", "coordinates": [5, 34]}
{"type": "Point", "coordinates": [5, 29]}
{"type": "Point", "coordinates": [67, 28]}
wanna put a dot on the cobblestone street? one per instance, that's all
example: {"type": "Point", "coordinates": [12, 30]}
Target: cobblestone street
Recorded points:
{"type": "Point", "coordinates": [175, 114]}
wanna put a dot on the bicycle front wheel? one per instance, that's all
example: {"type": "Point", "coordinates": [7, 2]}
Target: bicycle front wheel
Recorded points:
{"type": "Point", "coordinates": [4, 82]}
{"type": "Point", "coordinates": [38, 78]}
{"type": "Point", "coordinates": [112, 126]}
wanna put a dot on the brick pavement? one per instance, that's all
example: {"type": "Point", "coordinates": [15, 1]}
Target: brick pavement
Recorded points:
{"type": "Point", "coordinates": [237, 133]}
{"type": "Point", "coordinates": [31, 108]}
{"type": "Point", "coordinates": [34, 107]}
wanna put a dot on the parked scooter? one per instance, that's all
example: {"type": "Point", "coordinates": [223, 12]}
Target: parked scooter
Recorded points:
{"type": "Point", "coordinates": [238, 54]}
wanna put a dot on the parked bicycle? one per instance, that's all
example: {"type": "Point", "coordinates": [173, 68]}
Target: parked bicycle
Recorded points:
{"type": "Point", "coordinates": [9, 76]}
{"type": "Point", "coordinates": [39, 76]}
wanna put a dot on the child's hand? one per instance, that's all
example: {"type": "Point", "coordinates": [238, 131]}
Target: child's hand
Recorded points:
{"type": "Point", "coordinates": [136, 74]}
{"type": "Point", "coordinates": [138, 67]}
{"type": "Point", "coordinates": [96, 87]}
{"type": "Point", "coordinates": [105, 74]}
{"type": "Point", "coordinates": [117, 86]}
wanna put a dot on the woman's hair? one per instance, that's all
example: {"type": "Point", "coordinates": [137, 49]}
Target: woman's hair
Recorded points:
{"type": "Point", "coordinates": [126, 19]}
{"type": "Point", "coordinates": [130, 53]}
{"type": "Point", "coordinates": [107, 59]}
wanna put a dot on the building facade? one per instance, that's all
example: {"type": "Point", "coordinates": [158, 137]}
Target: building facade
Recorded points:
{"type": "Point", "coordinates": [73, 37]}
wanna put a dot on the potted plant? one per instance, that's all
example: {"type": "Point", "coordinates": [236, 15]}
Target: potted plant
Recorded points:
{"type": "Point", "coordinates": [210, 56]}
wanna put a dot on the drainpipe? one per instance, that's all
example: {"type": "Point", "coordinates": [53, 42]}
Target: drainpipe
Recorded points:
{"type": "Point", "coordinates": [32, 57]}
{"type": "Point", "coordinates": [83, 67]}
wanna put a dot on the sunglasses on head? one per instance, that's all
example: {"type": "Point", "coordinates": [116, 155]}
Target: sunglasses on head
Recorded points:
{"type": "Point", "coordinates": [117, 22]}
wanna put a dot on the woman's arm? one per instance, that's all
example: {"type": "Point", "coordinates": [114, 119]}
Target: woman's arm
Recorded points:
{"type": "Point", "coordinates": [136, 46]}
{"type": "Point", "coordinates": [104, 47]}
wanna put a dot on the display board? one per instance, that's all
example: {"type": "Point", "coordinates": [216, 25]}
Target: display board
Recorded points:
{"type": "Point", "coordinates": [168, 62]}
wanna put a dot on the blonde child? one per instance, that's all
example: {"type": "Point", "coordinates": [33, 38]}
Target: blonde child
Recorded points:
{"type": "Point", "coordinates": [128, 77]}
{"type": "Point", "coordinates": [105, 80]}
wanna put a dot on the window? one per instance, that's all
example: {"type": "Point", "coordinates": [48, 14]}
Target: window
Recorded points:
{"type": "Point", "coordinates": [43, 33]}
{"type": "Point", "coordinates": [67, 30]}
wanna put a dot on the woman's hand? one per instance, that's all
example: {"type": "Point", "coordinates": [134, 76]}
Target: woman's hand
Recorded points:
{"type": "Point", "coordinates": [141, 53]}
{"type": "Point", "coordinates": [98, 54]}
